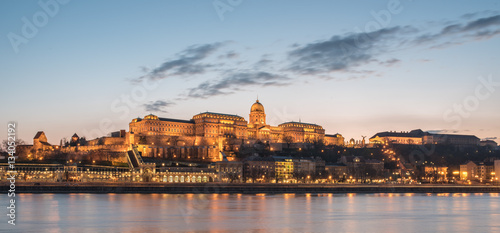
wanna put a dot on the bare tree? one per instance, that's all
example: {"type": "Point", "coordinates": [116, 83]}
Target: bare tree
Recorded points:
{"type": "Point", "coordinates": [288, 140]}
{"type": "Point", "coordinates": [17, 142]}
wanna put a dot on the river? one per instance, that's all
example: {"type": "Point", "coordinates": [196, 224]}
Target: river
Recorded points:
{"type": "Point", "coordinates": [254, 213]}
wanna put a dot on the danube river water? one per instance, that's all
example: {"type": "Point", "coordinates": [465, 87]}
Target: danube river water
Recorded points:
{"type": "Point", "coordinates": [254, 213]}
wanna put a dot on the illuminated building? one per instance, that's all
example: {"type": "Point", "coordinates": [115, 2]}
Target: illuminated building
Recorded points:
{"type": "Point", "coordinates": [284, 168]}
{"type": "Point", "coordinates": [208, 133]}
{"type": "Point", "coordinates": [435, 173]}
{"type": "Point", "coordinates": [201, 138]}
{"type": "Point", "coordinates": [478, 171]}
{"type": "Point", "coordinates": [497, 170]}
{"type": "Point", "coordinates": [335, 139]}
{"type": "Point", "coordinates": [40, 142]}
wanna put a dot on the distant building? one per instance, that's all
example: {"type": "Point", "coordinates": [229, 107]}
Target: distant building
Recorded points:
{"type": "Point", "coordinates": [118, 134]}
{"type": "Point", "coordinates": [40, 145]}
{"type": "Point", "coordinates": [259, 168]}
{"type": "Point", "coordinates": [489, 143]}
{"type": "Point", "coordinates": [419, 137]}
{"type": "Point", "coordinates": [40, 142]}
{"type": "Point", "coordinates": [281, 168]}
{"type": "Point", "coordinates": [455, 139]}
{"type": "Point", "coordinates": [435, 173]}
{"type": "Point", "coordinates": [334, 140]}
{"type": "Point", "coordinates": [477, 171]}
{"type": "Point", "coordinates": [74, 138]}
{"type": "Point", "coordinates": [336, 171]}
{"type": "Point", "coordinates": [229, 171]}
{"type": "Point", "coordinates": [468, 171]}
{"type": "Point", "coordinates": [361, 168]}
{"type": "Point", "coordinates": [304, 167]}
{"type": "Point", "coordinates": [497, 170]}
{"type": "Point", "coordinates": [284, 168]}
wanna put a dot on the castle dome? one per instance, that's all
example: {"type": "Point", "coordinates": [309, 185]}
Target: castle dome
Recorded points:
{"type": "Point", "coordinates": [257, 107]}
{"type": "Point", "coordinates": [151, 117]}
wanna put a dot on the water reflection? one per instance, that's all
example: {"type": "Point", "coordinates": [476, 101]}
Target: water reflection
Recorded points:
{"type": "Point", "coordinates": [255, 213]}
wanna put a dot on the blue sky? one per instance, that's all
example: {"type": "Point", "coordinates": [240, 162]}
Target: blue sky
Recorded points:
{"type": "Point", "coordinates": [356, 68]}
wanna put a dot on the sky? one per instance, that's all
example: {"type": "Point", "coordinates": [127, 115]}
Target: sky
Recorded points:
{"type": "Point", "coordinates": [354, 67]}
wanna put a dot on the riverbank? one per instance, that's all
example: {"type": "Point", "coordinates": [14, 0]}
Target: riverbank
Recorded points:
{"type": "Point", "coordinates": [241, 188]}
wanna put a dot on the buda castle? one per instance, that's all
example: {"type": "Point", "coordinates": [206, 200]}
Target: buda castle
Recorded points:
{"type": "Point", "coordinates": [207, 133]}
{"type": "Point", "coordinates": [204, 138]}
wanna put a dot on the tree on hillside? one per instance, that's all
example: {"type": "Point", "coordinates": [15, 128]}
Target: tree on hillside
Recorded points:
{"type": "Point", "coordinates": [17, 142]}
{"type": "Point", "coordinates": [288, 140]}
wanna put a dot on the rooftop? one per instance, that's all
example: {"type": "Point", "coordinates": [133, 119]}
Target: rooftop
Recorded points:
{"type": "Point", "coordinates": [221, 114]}
{"type": "Point", "coordinates": [417, 133]}
{"type": "Point", "coordinates": [302, 123]}
{"type": "Point", "coordinates": [38, 134]}
{"type": "Point", "coordinates": [176, 120]}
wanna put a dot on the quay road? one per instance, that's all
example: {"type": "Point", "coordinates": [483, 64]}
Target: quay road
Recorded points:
{"type": "Point", "coordinates": [243, 188]}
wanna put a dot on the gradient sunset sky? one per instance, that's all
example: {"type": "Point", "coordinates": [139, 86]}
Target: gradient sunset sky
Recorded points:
{"type": "Point", "coordinates": [354, 67]}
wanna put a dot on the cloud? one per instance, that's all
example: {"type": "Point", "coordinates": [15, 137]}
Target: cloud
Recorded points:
{"type": "Point", "coordinates": [469, 16]}
{"type": "Point", "coordinates": [459, 33]}
{"type": "Point", "coordinates": [341, 53]}
{"type": "Point", "coordinates": [262, 63]}
{"type": "Point", "coordinates": [390, 62]}
{"type": "Point", "coordinates": [234, 82]}
{"type": "Point", "coordinates": [157, 106]}
{"type": "Point", "coordinates": [187, 62]}
{"type": "Point", "coordinates": [345, 53]}
{"type": "Point", "coordinates": [229, 55]}
{"type": "Point", "coordinates": [343, 57]}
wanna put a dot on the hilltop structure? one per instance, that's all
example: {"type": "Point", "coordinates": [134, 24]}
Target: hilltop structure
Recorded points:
{"type": "Point", "coordinates": [419, 137]}
{"type": "Point", "coordinates": [201, 138]}
{"type": "Point", "coordinates": [207, 133]}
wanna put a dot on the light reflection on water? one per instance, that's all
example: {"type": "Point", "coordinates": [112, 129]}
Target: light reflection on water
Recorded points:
{"type": "Point", "coordinates": [350, 212]}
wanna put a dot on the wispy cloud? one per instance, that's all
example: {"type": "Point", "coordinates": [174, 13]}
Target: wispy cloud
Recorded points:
{"type": "Point", "coordinates": [262, 63]}
{"type": "Point", "coordinates": [341, 53]}
{"type": "Point", "coordinates": [390, 62]}
{"type": "Point", "coordinates": [235, 82]}
{"type": "Point", "coordinates": [187, 62]}
{"type": "Point", "coordinates": [229, 55]}
{"type": "Point", "coordinates": [346, 53]}
{"type": "Point", "coordinates": [459, 33]}
{"type": "Point", "coordinates": [157, 106]}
